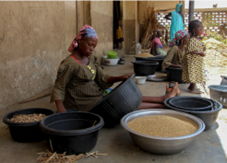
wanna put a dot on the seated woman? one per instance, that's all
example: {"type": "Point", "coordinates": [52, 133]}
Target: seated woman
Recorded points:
{"type": "Point", "coordinates": [156, 44]}
{"type": "Point", "coordinates": [175, 55]}
{"type": "Point", "coordinates": [80, 81]}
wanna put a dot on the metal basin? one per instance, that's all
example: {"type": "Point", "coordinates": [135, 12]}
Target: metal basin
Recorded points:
{"type": "Point", "coordinates": [161, 145]}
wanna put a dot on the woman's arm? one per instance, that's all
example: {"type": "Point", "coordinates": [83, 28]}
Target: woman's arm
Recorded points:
{"type": "Point", "coordinates": [60, 106]}
{"type": "Point", "coordinates": [114, 79]}
{"type": "Point", "coordinates": [169, 57]}
{"type": "Point", "coordinates": [168, 16]}
{"type": "Point", "coordinates": [198, 53]}
{"type": "Point", "coordinates": [63, 77]}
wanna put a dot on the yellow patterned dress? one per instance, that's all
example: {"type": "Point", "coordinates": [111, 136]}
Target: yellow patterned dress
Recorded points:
{"type": "Point", "coordinates": [193, 64]}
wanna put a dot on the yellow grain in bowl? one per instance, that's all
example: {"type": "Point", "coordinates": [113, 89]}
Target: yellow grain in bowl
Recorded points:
{"type": "Point", "coordinates": [144, 55]}
{"type": "Point", "coordinates": [163, 125]}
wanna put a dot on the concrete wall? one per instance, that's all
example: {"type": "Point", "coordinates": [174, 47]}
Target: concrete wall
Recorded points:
{"type": "Point", "coordinates": [102, 21]}
{"type": "Point", "coordinates": [34, 37]}
{"type": "Point", "coordinates": [129, 25]}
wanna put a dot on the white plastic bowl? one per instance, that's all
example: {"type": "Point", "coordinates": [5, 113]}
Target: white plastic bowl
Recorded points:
{"type": "Point", "coordinates": [140, 79]}
{"type": "Point", "coordinates": [112, 62]}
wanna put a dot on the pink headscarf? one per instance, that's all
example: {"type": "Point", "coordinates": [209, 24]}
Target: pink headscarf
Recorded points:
{"type": "Point", "coordinates": [85, 31]}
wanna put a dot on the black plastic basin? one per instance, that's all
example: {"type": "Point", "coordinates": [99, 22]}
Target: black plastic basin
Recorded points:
{"type": "Point", "coordinates": [174, 74]}
{"type": "Point", "coordinates": [144, 68]}
{"type": "Point", "coordinates": [209, 117]}
{"type": "Point", "coordinates": [126, 97]}
{"type": "Point", "coordinates": [26, 132]}
{"type": "Point", "coordinates": [191, 103]}
{"type": "Point", "coordinates": [72, 132]}
{"type": "Point", "coordinates": [158, 59]}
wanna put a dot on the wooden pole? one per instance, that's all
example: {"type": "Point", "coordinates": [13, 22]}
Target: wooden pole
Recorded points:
{"type": "Point", "coordinates": [191, 11]}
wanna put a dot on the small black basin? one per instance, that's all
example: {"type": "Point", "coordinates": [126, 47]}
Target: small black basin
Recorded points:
{"type": "Point", "coordinates": [191, 103]}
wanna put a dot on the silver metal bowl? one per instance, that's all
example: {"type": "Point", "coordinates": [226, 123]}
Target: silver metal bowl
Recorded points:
{"type": "Point", "coordinates": [161, 145]}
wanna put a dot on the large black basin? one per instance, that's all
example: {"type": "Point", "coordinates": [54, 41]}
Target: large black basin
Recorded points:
{"type": "Point", "coordinates": [26, 132]}
{"type": "Point", "coordinates": [158, 59]}
{"type": "Point", "coordinates": [126, 97]}
{"type": "Point", "coordinates": [72, 132]}
{"type": "Point", "coordinates": [144, 68]}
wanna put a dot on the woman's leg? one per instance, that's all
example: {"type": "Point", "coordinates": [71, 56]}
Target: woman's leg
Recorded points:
{"type": "Point", "coordinates": [191, 86]}
{"type": "Point", "coordinates": [193, 89]}
{"type": "Point", "coordinates": [157, 102]}
{"type": "Point", "coordinates": [151, 99]}
{"type": "Point", "coordinates": [170, 92]}
{"type": "Point", "coordinates": [147, 105]}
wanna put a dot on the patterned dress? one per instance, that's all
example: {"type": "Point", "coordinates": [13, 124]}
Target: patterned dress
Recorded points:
{"type": "Point", "coordinates": [79, 86]}
{"type": "Point", "coordinates": [193, 64]}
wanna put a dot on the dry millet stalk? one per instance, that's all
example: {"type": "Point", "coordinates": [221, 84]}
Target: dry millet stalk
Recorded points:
{"type": "Point", "coordinates": [49, 157]}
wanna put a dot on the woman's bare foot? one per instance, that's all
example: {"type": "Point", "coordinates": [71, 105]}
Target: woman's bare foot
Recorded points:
{"type": "Point", "coordinates": [168, 89]}
{"type": "Point", "coordinates": [175, 91]}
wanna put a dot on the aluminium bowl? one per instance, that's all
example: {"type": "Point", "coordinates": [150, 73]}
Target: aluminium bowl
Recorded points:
{"type": "Point", "coordinates": [161, 145]}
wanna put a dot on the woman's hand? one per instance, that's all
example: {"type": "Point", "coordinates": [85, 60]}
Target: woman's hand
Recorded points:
{"type": "Point", "coordinates": [202, 54]}
{"type": "Point", "coordinates": [176, 65]}
{"type": "Point", "coordinates": [125, 77]}
{"type": "Point", "coordinates": [199, 53]}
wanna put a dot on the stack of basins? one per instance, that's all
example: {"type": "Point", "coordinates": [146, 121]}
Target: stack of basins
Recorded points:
{"type": "Point", "coordinates": [204, 108]}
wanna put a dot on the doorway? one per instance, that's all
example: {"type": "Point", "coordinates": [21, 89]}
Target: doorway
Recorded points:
{"type": "Point", "coordinates": [117, 25]}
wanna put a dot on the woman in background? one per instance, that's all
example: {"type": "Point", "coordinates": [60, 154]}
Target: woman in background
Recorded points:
{"type": "Point", "coordinates": [156, 44]}
{"type": "Point", "coordinates": [175, 55]}
{"type": "Point", "coordinates": [177, 20]}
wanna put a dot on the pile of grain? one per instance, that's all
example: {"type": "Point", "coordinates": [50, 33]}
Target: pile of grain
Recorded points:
{"type": "Point", "coordinates": [144, 55]}
{"type": "Point", "coordinates": [163, 125]}
{"type": "Point", "coordinates": [27, 118]}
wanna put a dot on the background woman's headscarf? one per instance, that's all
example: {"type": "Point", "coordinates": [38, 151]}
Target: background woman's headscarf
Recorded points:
{"type": "Point", "coordinates": [85, 31]}
{"type": "Point", "coordinates": [179, 7]}
{"type": "Point", "coordinates": [178, 36]}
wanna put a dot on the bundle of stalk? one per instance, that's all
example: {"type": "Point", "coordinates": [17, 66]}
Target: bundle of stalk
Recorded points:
{"type": "Point", "coordinates": [49, 157]}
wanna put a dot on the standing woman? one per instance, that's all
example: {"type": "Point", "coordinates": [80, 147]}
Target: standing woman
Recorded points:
{"type": "Point", "coordinates": [177, 20]}
{"type": "Point", "coordinates": [193, 62]}
{"type": "Point", "coordinates": [80, 81]}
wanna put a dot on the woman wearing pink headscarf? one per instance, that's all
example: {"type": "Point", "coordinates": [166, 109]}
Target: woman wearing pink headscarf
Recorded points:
{"type": "Point", "coordinates": [176, 53]}
{"type": "Point", "coordinates": [80, 80]}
